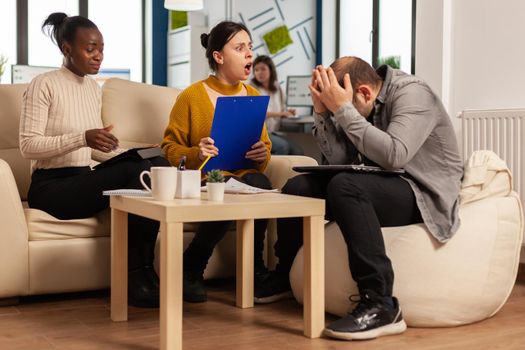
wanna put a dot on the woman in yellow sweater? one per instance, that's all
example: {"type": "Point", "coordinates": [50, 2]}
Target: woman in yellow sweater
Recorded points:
{"type": "Point", "coordinates": [229, 53]}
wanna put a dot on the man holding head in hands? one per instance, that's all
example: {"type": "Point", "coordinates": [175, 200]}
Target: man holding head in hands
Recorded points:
{"type": "Point", "coordinates": [379, 117]}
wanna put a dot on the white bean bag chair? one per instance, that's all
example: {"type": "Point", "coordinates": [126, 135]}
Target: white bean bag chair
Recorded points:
{"type": "Point", "coordinates": [465, 280]}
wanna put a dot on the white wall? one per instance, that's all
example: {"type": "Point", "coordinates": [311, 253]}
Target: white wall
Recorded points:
{"type": "Point", "coordinates": [471, 51]}
{"type": "Point", "coordinates": [429, 43]}
{"type": "Point", "coordinates": [488, 54]}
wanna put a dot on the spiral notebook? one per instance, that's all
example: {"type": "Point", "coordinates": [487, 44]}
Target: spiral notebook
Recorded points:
{"type": "Point", "coordinates": [127, 192]}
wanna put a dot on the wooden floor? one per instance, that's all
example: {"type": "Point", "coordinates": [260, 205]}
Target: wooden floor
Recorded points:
{"type": "Point", "coordinates": [81, 321]}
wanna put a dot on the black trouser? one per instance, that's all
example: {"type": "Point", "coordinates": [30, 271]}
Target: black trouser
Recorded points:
{"type": "Point", "coordinates": [76, 193]}
{"type": "Point", "coordinates": [208, 234]}
{"type": "Point", "coordinates": [360, 204]}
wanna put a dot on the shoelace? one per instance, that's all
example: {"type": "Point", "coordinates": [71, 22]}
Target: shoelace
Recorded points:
{"type": "Point", "coordinates": [363, 303]}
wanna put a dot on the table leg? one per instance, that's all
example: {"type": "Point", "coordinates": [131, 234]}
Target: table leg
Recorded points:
{"type": "Point", "coordinates": [119, 265]}
{"type": "Point", "coordinates": [171, 286]}
{"type": "Point", "coordinates": [313, 248]}
{"type": "Point", "coordinates": [244, 264]}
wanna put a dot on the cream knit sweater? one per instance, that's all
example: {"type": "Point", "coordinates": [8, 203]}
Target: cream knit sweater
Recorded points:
{"type": "Point", "coordinates": [58, 107]}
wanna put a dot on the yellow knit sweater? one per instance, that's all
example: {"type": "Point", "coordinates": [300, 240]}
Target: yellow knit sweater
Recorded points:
{"type": "Point", "coordinates": [191, 119]}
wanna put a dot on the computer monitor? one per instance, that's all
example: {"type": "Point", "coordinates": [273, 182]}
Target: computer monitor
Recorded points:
{"type": "Point", "coordinates": [23, 74]}
{"type": "Point", "coordinates": [297, 92]}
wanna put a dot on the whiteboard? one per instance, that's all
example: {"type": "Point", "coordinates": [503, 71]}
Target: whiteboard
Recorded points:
{"type": "Point", "coordinates": [22, 74]}
{"type": "Point", "coordinates": [297, 92]}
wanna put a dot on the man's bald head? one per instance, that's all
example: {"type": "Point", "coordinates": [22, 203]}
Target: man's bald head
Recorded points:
{"type": "Point", "coordinates": [361, 73]}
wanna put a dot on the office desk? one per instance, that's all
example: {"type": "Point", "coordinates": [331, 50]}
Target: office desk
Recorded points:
{"type": "Point", "coordinates": [242, 208]}
{"type": "Point", "coordinates": [303, 123]}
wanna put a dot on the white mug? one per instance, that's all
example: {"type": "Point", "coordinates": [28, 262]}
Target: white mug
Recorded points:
{"type": "Point", "coordinates": [188, 184]}
{"type": "Point", "coordinates": [163, 182]}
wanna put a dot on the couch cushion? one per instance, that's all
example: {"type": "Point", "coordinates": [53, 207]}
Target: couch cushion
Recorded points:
{"type": "Point", "coordinates": [279, 169]}
{"type": "Point", "coordinates": [11, 104]}
{"type": "Point", "coordinates": [139, 112]}
{"type": "Point", "coordinates": [43, 227]}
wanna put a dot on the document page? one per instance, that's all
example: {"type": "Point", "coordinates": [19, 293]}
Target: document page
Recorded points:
{"type": "Point", "coordinates": [237, 187]}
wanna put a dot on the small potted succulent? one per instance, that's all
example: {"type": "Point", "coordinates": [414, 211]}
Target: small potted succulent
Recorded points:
{"type": "Point", "coordinates": [215, 185]}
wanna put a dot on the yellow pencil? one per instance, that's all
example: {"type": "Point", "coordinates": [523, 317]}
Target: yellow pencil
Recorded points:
{"type": "Point", "coordinates": [204, 163]}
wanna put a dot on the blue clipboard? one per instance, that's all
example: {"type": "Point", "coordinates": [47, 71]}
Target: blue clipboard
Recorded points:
{"type": "Point", "coordinates": [237, 125]}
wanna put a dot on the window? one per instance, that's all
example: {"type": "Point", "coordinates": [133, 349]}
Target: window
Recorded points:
{"type": "Point", "coordinates": [395, 32]}
{"type": "Point", "coordinates": [119, 22]}
{"type": "Point", "coordinates": [377, 31]}
{"type": "Point", "coordinates": [355, 17]}
{"type": "Point", "coordinates": [8, 42]}
{"type": "Point", "coordinates": [41, 50]}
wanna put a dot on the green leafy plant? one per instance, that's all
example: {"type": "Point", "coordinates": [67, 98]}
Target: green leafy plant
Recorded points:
{"type": "Point", "coordinates": [3, 63]}
{"type": "Point", "coordinates": [214, 175]}
{"type": "Point", "coordinates": [392, 61]}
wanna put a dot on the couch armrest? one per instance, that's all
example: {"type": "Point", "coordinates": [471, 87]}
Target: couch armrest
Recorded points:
{"type": "Point", "coordinates": [14, 262]}
{"type": "Point", "coordinates": [279, 169]}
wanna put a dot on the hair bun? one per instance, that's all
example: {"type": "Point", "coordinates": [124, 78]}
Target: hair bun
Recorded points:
{"type": "Point", "coordinates": [56, 18]}
{"type": "Point", "coordinates": [204, 40]}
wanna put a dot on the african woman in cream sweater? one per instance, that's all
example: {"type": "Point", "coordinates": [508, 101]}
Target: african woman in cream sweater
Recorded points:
{"type": "Point", "coordinates": [229, 53]}
{"type": "Point", "coordinates": [61, 131]}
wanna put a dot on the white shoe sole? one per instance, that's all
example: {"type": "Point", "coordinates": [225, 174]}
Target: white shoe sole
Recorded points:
{"type": "Point", "coordinates": [273, 298]}
{"type": "Point", "coordinates": [389, 329]}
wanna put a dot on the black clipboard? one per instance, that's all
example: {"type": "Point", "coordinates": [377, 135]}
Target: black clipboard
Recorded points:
{"type": "Point", "coordinates": [237, 125]}
{"type": "Point", "coordinates": [136, 153]}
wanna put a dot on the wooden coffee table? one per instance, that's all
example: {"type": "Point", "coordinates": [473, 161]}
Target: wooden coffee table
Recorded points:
{"type": "Point", "coordinates": [242, 208]}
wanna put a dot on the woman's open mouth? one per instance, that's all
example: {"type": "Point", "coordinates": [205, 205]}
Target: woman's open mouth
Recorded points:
{"type": "Point", "coordinates": [247, 68]}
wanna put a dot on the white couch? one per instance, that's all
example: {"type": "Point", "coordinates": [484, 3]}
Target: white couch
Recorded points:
{"type": "Point", "coordinates": [462, 281]}
{"type": "Point", "coordinates": [40, 254]}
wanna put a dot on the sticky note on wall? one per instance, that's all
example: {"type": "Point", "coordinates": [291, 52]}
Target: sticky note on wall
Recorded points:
{"type": "Point", "coordinates": [277, 39]}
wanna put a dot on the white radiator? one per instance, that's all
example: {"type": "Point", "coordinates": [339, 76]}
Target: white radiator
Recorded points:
{"type": "Point", "coordinates": [501, 131]}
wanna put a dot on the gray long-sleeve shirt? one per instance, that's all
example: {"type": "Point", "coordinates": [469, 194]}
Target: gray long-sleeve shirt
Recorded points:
{"type": "Point", "coordinates": [410, 130]}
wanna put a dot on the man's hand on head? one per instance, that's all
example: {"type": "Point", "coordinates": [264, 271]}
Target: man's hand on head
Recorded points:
{"type": "Point", "coordinates": [332, 95]}
{"type": "Point", "coordinates": [315, 93]}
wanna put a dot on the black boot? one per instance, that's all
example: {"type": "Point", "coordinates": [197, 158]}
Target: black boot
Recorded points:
{"type": "Point", "coordinates": [193, 287]}
{"type": "Point", "coordinates": [142, 289]}
{"type": "Point", "coordinates": [152, 275]}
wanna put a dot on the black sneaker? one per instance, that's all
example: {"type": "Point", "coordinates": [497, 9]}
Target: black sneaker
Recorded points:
{"type": "Point", "coordinates": [260, 276]}
{"type": "Point", "coordinates": [142, 291]}
{"type": "Point", "coordinates": [371, 318]}
{"type": "Point", "coordinates": [271, 287]}
{"type": "Point", "coordinates": [193, 287]}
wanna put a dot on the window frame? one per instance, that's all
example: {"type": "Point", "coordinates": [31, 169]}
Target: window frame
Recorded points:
{"type": "Point", "coordinates": [22, 31]}
{"type": "Point", "coordinates": [376, 31]}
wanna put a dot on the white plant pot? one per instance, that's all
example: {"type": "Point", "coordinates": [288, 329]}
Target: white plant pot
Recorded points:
{"type": "Point", "coordinates": [215, 191]}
